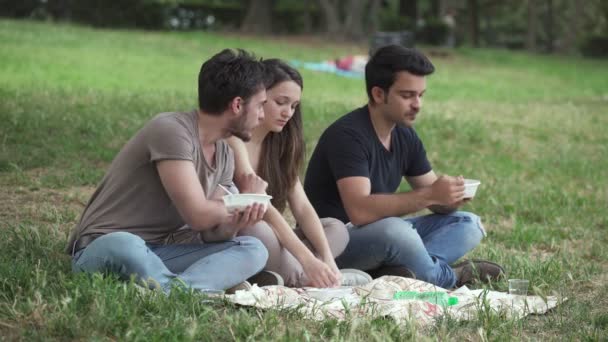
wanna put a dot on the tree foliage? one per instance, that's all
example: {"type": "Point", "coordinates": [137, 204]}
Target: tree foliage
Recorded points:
{"type": "Point", "coordinates": [538, 25]}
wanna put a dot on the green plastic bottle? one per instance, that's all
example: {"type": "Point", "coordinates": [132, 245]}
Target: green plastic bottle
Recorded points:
{"type": "Point", "coordinates": [435, 297]}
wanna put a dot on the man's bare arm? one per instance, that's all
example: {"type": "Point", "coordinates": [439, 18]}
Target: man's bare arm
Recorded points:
{"type": "Point", "coordinates": [181, 182]}
{"type": "Point", "coordinates": [427, 180]}
{"type": "Point", "coordinates": [238, 220]}
{"type": "Point", "coordinates": [363, 207]}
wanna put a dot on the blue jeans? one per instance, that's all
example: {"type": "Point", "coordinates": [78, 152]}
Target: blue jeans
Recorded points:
{"type": "Point", "coordinates": [426, 245]}
{"type": "Point", "coordinates": [201, 266]}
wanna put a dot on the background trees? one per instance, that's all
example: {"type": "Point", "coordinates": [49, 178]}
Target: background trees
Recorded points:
{"type": "Point", "coordinates": [535, 25]}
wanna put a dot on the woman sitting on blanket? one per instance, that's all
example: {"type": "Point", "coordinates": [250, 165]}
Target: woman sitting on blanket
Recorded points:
{"type": "Point", "coordinates": [304, 256]}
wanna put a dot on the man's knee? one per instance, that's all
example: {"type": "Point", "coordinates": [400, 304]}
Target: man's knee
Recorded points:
{"type": "Point", "coordinates": [110, 252]}
{"type": "Point", "coordinates": [394, 231]}
{"type": "Point", "coordinates": [119, 244]}
{"type": "Point", "coordinates": [472, 226]}
{"type": "Point", "coordinates": [257, 252]}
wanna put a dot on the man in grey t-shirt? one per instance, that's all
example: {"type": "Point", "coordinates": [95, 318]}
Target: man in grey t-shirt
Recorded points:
{"type": "Point", "coordinates": [157, 213]}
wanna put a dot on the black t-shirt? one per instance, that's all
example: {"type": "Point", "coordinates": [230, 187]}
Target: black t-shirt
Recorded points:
{"type": "Point", "coordinates": [350, 147]}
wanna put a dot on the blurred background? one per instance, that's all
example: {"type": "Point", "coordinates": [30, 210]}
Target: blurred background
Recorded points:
{"type": "Point", "coordinates": [517, 102]}
{"type": "Point", "coordinates": [547, 26]}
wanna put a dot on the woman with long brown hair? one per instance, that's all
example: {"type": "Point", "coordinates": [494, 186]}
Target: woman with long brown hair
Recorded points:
{"type": "Point", "coordinates": [304, 256]}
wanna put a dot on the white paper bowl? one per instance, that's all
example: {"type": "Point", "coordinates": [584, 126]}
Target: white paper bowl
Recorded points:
{"type": "Point", "coordinates": [470, 187]}
{"type": "Point", "coordinates": [240, 201]}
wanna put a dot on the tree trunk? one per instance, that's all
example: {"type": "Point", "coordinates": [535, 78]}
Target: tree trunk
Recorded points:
{"type": "Point", "coordinates": [409, 9]}
{"type": "Point", "coordinates": [359, 15]}
{"type": "Point", "coordinates": [374, 8]}
{"type": "Point", "coordinates": [604, 14]}
{"type": "Point", "coordinates": [474, 21]}
{"type": "Point", "coordinates": [60, 8]}
{"type": "Point", "coordinates": [576, 15]}
{"type": "Point", "coordinates": [532, 20]}
{"type": "Point", "coordinates": [307, 18]}
{"type": "Point", "coordinates": [258, 18]}
{"type": "Point", "coordinates": [353, 24]}
{"type": "Point", "coordinates": [436, 10]}
{"type": "Point", "coordinates": [332, 20]}
{"type": "Point", "coordinates": [550, 32]}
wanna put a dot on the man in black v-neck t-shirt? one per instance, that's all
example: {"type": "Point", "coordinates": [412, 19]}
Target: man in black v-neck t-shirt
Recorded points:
{"type": "Point", "coordinates": [357, 166]}
{"type": "Point", "coordinates": [355, 150]}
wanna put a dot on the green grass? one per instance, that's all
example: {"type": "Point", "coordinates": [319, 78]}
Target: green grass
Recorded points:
{"type": "Point", "coordinates": [531, 127]}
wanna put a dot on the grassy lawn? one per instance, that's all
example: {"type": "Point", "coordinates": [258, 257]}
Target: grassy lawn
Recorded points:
{"type": "Point", "coordinates": [531, 127]}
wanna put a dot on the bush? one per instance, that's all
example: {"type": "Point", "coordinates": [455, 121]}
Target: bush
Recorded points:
{"type": "Point", "coordinates": [595, 46]}
{"type": "Point", "coordinates": [390, 21]}
{"type": "Point", "coordinates": [18, 8]}
{"type": "Point", "coordinates": [148, 14]}
{"type": "Point", "coordinates": [119, 13]}
{"type": "Point", "coordinates": [434, 32]}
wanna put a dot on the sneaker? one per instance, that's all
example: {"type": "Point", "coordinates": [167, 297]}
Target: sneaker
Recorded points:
{"type": "Point", "coordinates": [353, 277]}
{"type": "Point", "coordinates": [266, 278]}
{"type": "Point", "coordinates": [399, 271]}
{"type": "Point", "coordinates": [471, 271]}
{"type": "Point", "coordinates": [238, 287]}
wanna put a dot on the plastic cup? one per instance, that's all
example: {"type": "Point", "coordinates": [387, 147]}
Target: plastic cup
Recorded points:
{"type": "Point", "coordinates": [518, 287]}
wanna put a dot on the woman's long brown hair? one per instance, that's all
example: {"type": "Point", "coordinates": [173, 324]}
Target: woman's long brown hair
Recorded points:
{"type": "Point", "coordinates": [282, 154]}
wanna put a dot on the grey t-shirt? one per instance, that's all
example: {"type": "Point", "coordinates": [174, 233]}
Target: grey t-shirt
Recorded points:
{"type": "Point", "coordinates": [131, 197]}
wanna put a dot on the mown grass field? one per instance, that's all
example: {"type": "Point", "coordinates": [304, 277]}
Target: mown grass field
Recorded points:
{"type": "Point", "coordinates": [531, 127]}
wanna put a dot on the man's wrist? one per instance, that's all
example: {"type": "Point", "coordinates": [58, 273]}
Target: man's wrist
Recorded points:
{"type": "Point", "coordinates": [425, 196]}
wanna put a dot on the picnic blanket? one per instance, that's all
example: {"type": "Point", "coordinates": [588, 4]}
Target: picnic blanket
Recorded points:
{"type": "Point", "coordinates": [375, 299]}
{"type": "Point", "coordinates": [348, 66]}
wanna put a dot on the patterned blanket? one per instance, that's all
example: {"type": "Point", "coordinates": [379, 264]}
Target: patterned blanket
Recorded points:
{"type": "Point", "coordinates": [376, 300]}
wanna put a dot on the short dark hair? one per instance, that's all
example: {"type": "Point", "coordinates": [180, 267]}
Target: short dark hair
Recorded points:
{"type": "Point", "coordinates": [383, 66]}
{"type": "Point", "coordinates": [228, 74]}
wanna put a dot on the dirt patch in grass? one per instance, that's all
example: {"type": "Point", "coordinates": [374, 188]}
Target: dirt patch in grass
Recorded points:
{"type": "Point", "coordinates": [593, 289]}
{"type": "Point", "coordinates": [37, 205]}
{"type": "Point", "coordinates": [20, 204]}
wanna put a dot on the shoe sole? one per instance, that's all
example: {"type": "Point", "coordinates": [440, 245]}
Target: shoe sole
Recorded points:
{"type": "Point", "coordinates": [267, 278]}
{"type": "Point", "coordinates": [359, 273]}
{"type": "Point", "coordinates": [242, 286]}
{"type": "Point", "coordinates": [462, 263]}
{"type": "Point", "coordinates": [501, 274]}
{"type": "Point", "coordinates": [397, 271]}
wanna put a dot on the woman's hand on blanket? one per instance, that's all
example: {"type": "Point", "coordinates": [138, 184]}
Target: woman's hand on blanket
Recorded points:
{"type": "Point", "coordinates": [320, 274]}
{"type": "Point", "coordinates": [332, 265]}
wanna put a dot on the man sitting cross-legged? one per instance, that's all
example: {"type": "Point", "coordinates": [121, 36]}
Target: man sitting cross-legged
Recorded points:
{"type": "Point", "coordinates": [358, 164]}
{"type": "Point", "coordinates": [161, 191]}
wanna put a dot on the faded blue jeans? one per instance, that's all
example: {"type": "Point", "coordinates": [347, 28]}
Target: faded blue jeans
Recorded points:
{"type": "Point", "coordinates": [426, 245]}
{"type": "Point", "coordinates": [201, 266]}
